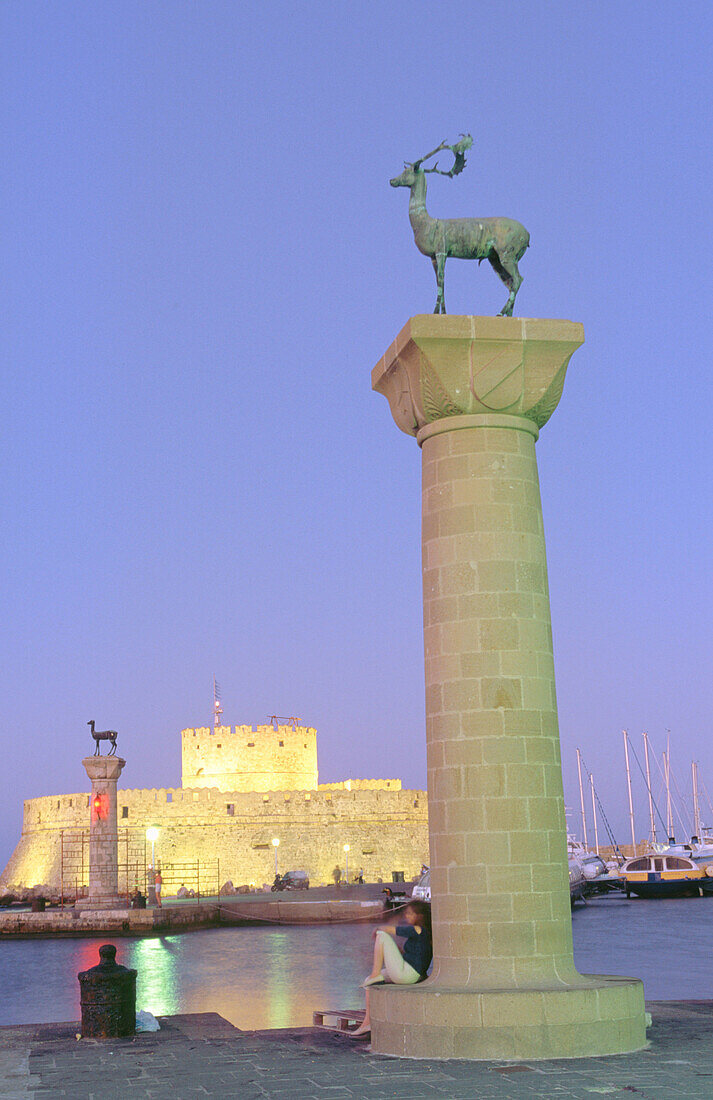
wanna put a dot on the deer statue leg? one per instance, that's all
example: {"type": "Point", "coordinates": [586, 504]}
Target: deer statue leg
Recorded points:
{"type": "Point", "coordinates": [508, 272]}
{"type": "Point", "coordinates": [439, 266]}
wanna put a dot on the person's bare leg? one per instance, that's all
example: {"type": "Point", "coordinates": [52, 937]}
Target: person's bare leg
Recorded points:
{"type": "Point", "coordinates": [365, 1025]}
{"type": "Point", "coordinates": [378, 963]}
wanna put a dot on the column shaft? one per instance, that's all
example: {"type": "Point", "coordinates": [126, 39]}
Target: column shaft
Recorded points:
{"type": "Point", "coordinates": [496, 808]}
{"type": "Point", "coordinates": [104, 772]}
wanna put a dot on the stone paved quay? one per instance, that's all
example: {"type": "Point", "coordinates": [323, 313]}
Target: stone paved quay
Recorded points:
{"type": "Point", "coordinates": [203, 1055]}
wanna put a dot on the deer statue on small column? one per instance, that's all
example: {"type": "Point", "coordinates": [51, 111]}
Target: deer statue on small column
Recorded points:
{"type": "Point", "coordinates": [501, 241]}
{"type": "Point", "coordinates": [103, 735]}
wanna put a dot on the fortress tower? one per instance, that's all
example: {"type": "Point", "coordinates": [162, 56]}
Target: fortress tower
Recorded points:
{"type": "Point", "coordinates": [267, 758]}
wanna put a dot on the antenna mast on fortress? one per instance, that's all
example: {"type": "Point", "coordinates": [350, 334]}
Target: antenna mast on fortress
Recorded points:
{"type": "Point", "coordinates": [217, 707]}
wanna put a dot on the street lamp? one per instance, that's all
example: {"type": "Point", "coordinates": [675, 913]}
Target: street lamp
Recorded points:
{"type": "Point", "coordinates": [346, 854]}
{"type": "Point", "coordinates": [152, 835]}
{"type": "Point", "coordinates": [276, 845]}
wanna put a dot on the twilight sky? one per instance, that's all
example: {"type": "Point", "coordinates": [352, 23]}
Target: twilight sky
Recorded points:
{"type": "Point", "coordinates": [202, 262]}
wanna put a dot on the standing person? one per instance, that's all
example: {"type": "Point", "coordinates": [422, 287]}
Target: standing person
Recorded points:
{"type": "Point", "coordinates": [337, 875]}
{"type": "Point", "coordinates": [401, 965]}
{"type": "Point", "coordinates": [158, 883]}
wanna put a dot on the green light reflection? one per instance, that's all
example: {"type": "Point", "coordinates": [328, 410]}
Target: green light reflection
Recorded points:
{"type": "Point", "coordinates": [280, 990]}
{"type": "Point", "coordinates": [157, 984]}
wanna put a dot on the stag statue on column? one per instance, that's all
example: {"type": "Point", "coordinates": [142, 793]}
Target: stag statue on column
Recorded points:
{"type": "Point", "coordinates": [103, 735]}
{"type": "Point", "coordinates": [501, 241]}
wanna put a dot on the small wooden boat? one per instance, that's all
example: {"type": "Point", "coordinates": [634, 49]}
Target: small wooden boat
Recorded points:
{"type": "Point", "coordinates": [659, 875]}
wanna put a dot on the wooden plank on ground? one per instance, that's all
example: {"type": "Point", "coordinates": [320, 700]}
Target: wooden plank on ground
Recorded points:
{"type": "Point", "coordinates": [338, 1019]}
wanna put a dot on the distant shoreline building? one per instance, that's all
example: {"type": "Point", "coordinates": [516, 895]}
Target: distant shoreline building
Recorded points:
{"type": "Point", "coordinates": [241, 789]}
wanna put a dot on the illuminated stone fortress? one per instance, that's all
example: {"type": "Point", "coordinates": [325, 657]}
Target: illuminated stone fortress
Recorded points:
{"type": "Point", "coordinates": [241, 787]}
{"type": "Point", "coordinates": [271, 758]}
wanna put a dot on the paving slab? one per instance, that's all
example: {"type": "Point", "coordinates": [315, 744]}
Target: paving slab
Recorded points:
{"type": "Point", "coordinates": [203, 1055]}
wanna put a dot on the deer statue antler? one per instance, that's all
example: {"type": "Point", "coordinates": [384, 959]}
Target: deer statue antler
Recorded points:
{"type": "Point", "coordinates": [459, 150]}
{"type": "Point", "coordinates": [439, 148]}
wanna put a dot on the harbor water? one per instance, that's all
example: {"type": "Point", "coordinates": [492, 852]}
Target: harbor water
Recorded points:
{"type": "Point", "coordinates": [268, 977]}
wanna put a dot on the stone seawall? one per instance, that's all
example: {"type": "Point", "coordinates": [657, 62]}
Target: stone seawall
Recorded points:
{"type": "Point", "coordinates": [386, 830]}
{"type": "Point", "coordinates": [184, 918]}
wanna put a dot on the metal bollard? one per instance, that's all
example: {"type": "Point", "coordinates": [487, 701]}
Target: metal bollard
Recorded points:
{"type": "Point", "coordinates": [108, 998]}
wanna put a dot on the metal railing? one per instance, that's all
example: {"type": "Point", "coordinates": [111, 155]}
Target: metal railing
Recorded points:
{"type": "Point", "coordinates": [135, 874]}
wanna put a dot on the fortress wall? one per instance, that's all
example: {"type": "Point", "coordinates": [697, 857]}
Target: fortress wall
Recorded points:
{"type": "Point", "coordinates": [249, 759]}
{"type": "Point", "coordinates": [168, 805]}
{"type": "Point", "coordinates": [362, 785]}
{"type": "Point", "coordinates": [35, 861]}
{"type": "Point", "coordinates": [386, 830]}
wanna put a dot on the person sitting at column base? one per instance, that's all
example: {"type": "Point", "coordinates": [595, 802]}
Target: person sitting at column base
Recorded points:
{"type": "Point", "coordinates": [401, 965]}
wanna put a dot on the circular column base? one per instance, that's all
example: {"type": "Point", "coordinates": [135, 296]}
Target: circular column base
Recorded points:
{"type": "Point", "coordinates": [603, 1015]}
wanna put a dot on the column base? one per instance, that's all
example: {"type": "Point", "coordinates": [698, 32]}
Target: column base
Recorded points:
{"type": "Point", "coordinates": [116, 901]}
{"type": "Point", "coordinates": [603, 1015]}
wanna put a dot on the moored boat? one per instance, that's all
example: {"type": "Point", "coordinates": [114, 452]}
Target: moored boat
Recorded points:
{"type": "Point", "coordinates": [661, 875]}
{"type": "Point", "coordinates": [600, 878]}
{"type": "Point", "coordinates": [577, 882]}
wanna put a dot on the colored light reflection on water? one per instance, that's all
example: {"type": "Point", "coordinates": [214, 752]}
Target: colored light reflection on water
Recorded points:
{"type": "Point", "coordinates": [280, 994]}
{"type": "Point", "coordinates": [254, 977]}
{"type": "Point", "coordinates": [157, 985]}
{"type": "Point", "coordinates": [275, 977]}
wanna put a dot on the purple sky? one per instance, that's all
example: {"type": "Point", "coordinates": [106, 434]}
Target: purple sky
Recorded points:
{"type": "Point", "coordinates": [204, 260]}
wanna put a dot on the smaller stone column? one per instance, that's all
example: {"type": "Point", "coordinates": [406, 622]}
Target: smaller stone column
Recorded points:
{"type": "Point", "coordinates": [104, 772]}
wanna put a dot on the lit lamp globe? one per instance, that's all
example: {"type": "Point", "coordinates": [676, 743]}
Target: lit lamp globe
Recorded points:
{"type": "Point", "coordinates": [152, 835]}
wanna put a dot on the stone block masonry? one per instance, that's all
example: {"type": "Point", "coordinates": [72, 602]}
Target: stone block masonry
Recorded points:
{"type": "Point", "coordinates": [386, 829]}
{"type": "Point", "coordinates": [475, 391]}
{"type": "Point", "coordinates": [242, 788]}
{"type": "Point", "coordinates": [247, 759]}
{"type": "Point", "coordinates": [104, 773]}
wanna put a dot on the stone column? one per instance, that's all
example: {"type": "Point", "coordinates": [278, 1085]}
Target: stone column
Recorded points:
{"type": "Point", "coordinates": [104, 771]}
{"type": "Point", "coordinates": [475, 391]}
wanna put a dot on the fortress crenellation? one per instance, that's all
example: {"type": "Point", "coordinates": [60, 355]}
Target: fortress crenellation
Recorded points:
{"type": "Point", "coordinates": [232, 811]}
{"type": "Point", "coordinates": [159, 805]}
{"type": "Point", "coordinates": [250, 758]}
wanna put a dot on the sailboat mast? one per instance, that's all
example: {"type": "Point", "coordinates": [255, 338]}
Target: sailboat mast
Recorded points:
{"type": "Point", "coordinates": [628, 787]}
{"type": "Point", "coordinates": [667, 777]}
{"type": "Point", "coordinates": [581, 799]}
{"type": "Point", "coordinates": [696, 803]}
{"type": "Point", "coordinates": [594, 814]}
{"type": "Point", "coordinates": [652, 820]}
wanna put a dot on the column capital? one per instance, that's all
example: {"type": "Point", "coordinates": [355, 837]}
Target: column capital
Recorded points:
{"type": "Point", "coordinates": [442, 366]}
{"type": "Point", "coordinates": [103, 767]}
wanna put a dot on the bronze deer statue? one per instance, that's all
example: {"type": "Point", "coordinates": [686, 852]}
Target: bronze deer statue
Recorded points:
{"type": "Point", "coordinates": [502, 241]}
{"type": "Point", "coordinates": [103, 735]}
